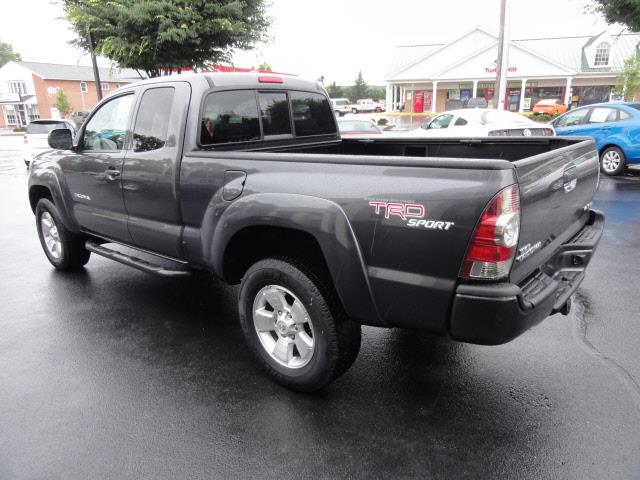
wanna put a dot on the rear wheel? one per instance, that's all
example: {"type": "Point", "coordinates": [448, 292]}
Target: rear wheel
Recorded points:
{"type": "Point", "coordinates": [612, 161]}
{"type": "Point", "coordinates": [354, 110]}
{"type": "Point", "coordinates": [294, 323]}
{"type": "Point", "coordinates": [64, 249]}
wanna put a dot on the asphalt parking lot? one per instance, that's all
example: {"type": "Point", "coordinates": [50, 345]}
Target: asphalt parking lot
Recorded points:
{"type": "Point", "coordinates": [112, 373]}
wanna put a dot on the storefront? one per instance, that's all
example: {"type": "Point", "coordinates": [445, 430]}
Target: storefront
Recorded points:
{"type": "Point", "coordinates": [576, 71]}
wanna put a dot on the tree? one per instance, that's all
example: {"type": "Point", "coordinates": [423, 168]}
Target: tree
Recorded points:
{"type": "Point", "coordinates": [264, 67]}
{"type": "Point", "coordinates": [62, 103]}
{"type": "Point", "coordinates": [628, 82]}
{"type": "Point", "coordinates": [7, 54]}
{"type": "Point", "coordinates": [619, 11]}
{"type": "Point", "coordinates": [360, 89]}
{"type": "Point", "coordinates": [335, 91]}
{"type": "Point", "coordinates": [160, 35]}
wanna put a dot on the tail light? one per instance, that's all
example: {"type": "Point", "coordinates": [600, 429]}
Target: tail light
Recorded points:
{"type": "Point", "coordinates": [493, 244]}
{"type": "Point", "coordinates": [24, 138]}
{"type": "Point", "coordinates": [269, 79]}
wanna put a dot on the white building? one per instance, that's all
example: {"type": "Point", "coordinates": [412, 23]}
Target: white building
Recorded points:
{"type": "Point", "coordinates": [575, 70]}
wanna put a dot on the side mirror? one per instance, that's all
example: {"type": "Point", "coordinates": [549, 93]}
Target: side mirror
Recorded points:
{"type": "Point", "coordinates": [60, 139]}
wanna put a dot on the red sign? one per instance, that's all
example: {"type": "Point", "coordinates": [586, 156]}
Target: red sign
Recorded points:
{"type": "Point", "coordinates": [494, 69]}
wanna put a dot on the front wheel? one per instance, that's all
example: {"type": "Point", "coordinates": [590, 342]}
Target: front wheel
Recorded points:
{"type": "Point", "coordinates": [612, 161]}
{"type": "Point", "coordinates": [64, 249]}
{"type": "Point", "coordinates": [294, 323]}
{"type": "Point", "coordinates": [354, 110]}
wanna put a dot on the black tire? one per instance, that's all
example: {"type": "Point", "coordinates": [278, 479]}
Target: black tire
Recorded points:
{"type": "Point", "coordinates": [607, 161]}
{"type": "Point", "coordinates": [354, 110]}
{"type": "Point", "coordinates": [336, 338]}
{"type": "Point", "coordinates": [72, 255]}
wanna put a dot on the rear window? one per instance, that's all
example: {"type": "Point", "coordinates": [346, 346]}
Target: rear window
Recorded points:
{"type": "Point", "coordinates": [312, 114]}
{"type": "Point", "coordinates": [230, 116]}
{"type": "Point", "coordinates": [274, 111]}
{"type": "Point", "coordinates": [45, 127]}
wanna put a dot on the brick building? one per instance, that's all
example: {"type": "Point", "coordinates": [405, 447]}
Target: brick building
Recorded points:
{"type": "Point", "coordinates": [28, 89]}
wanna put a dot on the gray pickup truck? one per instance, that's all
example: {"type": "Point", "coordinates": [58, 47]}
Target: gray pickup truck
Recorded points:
{"type": "Point", "coordinates": [245, 176]}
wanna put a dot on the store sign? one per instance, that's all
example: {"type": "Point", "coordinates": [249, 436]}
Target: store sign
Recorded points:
{"type": "Point", "coordinates": [494, 69]}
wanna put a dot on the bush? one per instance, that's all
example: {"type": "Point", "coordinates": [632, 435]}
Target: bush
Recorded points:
{"type": "Point", "coordinates": [542, 117]}
{"type": "Point", "coordinates": [20, 129]}
{"type": "Point", "coordinates": [382, 121]}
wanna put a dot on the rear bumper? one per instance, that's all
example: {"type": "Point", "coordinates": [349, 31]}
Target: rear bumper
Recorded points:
{"type": "Point", "coordinates": [493, 314]}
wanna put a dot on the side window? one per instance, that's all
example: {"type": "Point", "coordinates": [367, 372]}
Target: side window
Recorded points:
{"type": "Point", "coordinates": [624, 115]}
{"type": "Point", "coordinates": [152, 121]}
{"type": "Point", "coordinates": [108, 127]}
{"type": "Point", "coordinates": [274, 111]}
{"type": "Point", "coordinates": [441, 121]}
{"type": "Point", "coordinates": [603, 115]}
{"type": "Point", "coordinates": [312, 114]}
{"type": "Point", "coordinates": [460, 122]}
{"type": "Point", "coordinates": [230, 116]}
{"type": "Point", "coordinates": [575, 117]}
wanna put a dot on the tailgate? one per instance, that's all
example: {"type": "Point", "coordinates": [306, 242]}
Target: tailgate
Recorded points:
{"type": "Point", "coordinates": [556, 190]}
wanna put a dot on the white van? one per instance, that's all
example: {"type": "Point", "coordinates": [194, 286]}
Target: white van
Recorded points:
{"type": "Point", "coordinates": [340, 106]}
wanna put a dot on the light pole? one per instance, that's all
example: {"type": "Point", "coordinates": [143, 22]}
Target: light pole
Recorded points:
{"type": "Point", "coordinates": [503, 58]}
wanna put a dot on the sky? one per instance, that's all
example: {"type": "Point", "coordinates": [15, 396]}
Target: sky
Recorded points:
{"type": "Point", "coordinates": [331, 38]}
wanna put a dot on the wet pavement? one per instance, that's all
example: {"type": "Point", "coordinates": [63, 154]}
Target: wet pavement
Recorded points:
{"type": "Point", "coordinates": [112, 373]}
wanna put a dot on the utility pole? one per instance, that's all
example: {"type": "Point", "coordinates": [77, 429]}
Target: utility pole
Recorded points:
{"type": "Point", "coordinates": [503, 58]}
{"type": "Point", "coordinates": [96, 72]}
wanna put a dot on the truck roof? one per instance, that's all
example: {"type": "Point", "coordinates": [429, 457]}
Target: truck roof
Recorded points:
{"type": "Point", "coordinates": [238, 79]}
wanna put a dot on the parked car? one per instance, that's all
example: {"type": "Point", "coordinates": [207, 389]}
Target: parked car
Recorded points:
{"type": "Point", "coordinates": [481, 122]}
{"type": "Point", "coordinates": [353, 127]}
{"type": "Point", "coordinates": [549, 106]}
{"type": "Point", "coordinates": [615, 127]}
{"type": "Point", "coordinates": [341, 106]}
{"type": "Point", "coordinates": [365, 105]}
{"type": "Point", "coordinates": [475, 102]}
{"type": "Point", "coordinates": [323, 234]}
{"type": "Point", "coordinates": [35, 138]}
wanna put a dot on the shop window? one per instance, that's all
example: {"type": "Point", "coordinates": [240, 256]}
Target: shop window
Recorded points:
{"type": "Point", "coordinates": [602, 55]}
{"type": "Point", "coordinates": [83, 87]}
{"type": "Point", "coordinates": [12, 117]}
{"type": "Point", "coordinates": [33, 113]}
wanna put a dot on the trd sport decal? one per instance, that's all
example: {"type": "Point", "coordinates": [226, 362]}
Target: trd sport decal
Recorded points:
{"type": "Point", "coordinates": [411, 213]}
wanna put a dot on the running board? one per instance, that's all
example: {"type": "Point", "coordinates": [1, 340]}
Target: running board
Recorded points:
{"type": "Point", "coordinates": [135, 262]}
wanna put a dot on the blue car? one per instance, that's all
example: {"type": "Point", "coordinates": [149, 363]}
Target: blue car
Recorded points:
{"type": "Point", "coordinates": [615, 127]}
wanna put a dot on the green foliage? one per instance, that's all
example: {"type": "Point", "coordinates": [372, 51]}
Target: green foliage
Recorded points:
{"type": "Point", "coordinates": [628, 82]}
{"type": "Point", "coordinates": [62, 103]}
{"type": "Point", "coordinates": [382, 121]}
{"type": "Point", "coordinates": [264, 66]}
{"type": "Point", "coordinates": [619, 11]}
{"type": "Point", "coordinates": [377, 92]}
{"type": "Point", "coordinates": [541, 117]}
{"type": "Point", "coordinates": [335, 91]}
{"type": "Point", "coordinates": [7, 54]}
{"type": "Point", "coordinates": [20, 129]}
{"type": "Point", "coordinates": [153, 35]}
{"type": "Point", "coordinates": [360, 89]}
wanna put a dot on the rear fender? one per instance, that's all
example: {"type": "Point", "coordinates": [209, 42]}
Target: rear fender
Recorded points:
{"type": "Point", "coordinates": [321, 218]}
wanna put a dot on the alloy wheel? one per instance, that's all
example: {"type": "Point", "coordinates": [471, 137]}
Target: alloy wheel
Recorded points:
{"type": "Point", "coordinates": [283, 326]}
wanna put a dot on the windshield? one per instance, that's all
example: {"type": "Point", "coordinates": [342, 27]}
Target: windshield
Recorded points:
{"type": "Point", "coordinates": [547, 102]}
{"type": "Point", "coordinates": [357, 126]}
{"type": "Point", "coordinates": [341, 102]}
{"type": "Point", "coordinates": [44, 127]}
